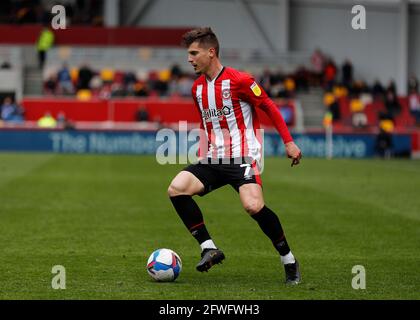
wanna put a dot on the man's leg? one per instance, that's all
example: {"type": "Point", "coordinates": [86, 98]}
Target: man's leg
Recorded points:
{"type": "Point", "coordinates": [180, 191]}
{"type": "Point", "coordinates": [41, 58]}
{"type": "Point", "coordinates": [252, 200]}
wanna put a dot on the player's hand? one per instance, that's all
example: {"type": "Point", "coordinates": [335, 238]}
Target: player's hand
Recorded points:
{"type": "Point", "coordinates": [293, 152]}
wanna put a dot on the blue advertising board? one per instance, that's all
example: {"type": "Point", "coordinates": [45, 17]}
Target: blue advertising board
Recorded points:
{"type": "Point", "coordinates": [148, 142]}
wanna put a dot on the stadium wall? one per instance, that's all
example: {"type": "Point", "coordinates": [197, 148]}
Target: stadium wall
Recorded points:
{"type": "Point", "coordinates": [313, 23]}
{"type": "Point", "coordinates": [234, 28]}
{"type": "Point", "coordinates": [98, 36]}
{"type": "Point", "coordinates": [373, 51]}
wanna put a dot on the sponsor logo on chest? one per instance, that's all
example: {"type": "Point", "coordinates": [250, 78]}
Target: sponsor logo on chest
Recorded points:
{"type": "Point", "coordinates": [219, 114]}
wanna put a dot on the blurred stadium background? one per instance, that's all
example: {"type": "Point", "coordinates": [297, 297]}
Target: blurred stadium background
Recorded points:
{"type": "Point", "coordinates": [119, 64]}
{"type": "Point", "coordinates": [117, 74]}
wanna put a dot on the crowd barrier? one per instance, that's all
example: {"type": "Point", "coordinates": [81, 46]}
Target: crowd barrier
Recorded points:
{"type": "Point", "coordinates": [169, 110]}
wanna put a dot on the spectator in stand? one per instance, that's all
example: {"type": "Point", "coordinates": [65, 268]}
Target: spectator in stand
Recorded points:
{"type": "Point", "coordinates": [185, 84]}
{"type": "Point", "coordinates": [176, 71]}
{"type": "Point", "coordinates": [63, 122]}
{"type": "Point", "coordinates": [413, 84]}
{"type": "Point", "coordinates": [105, 92]}
{"type": "Point", "coordinates": [64, 82]}
{"type": "Point", "coordinates": [265, 81]}
{"type": "Point", "coordinates": [141, 89]}
{"type": "Point", "coordinates": [118, 90]}
{"type": "Point", "coordinates": [6, 65]}
{"type": "Point", "coordinates": [378, 90]}
{"type": "Point", "coordinates": [331, 102]}
{"type": "Point", "coordinates": [85, 75]}
{"type": "Point", "coordinates": [347, 73]}
{"type": "Point", "coordinates": [47, 121]}
{"type": "Point", "coordinates": [392, 87]}
{"type": "Point", "coordinates": [340, 91]}
{"type": "Point", "coordinates": [414, 104]}
{"type": "Point", "coordinates": [317, 61]}
{"type": "Point", "coordinates": [302, 79]}
{"type": "Point", "coordinates": [174, 81]}
{"type": "Point", "coordinates": [142, 115]}
{"type": "Point", "coordinates": [97, 85]}
{"type": "Point", "coordinates": [359, 87]}
{"type": "Point", "coordinates": [129, 81]}
{"type": "Point", "coordinates": [159, 83]}
{"type": "Point", "coordinates": [180, 86]}
{"type": "Point", "coordinates": [364, 88]}
{"type": "Point", "coordinates": [10, 111]}
{"type": "Point", "coordinates": [25, 13]}
{"type": "Point", "coordinates": [289, 87]}
{"type": "Point", "coordinates": [384, 142]}
{"type": "Point", "coordinates": [44, 43]}
{"type": "Point", "coordinates": [330, 73]}
{"type": "Point", "coordinates": [392, 106]}
{"type": "Point", "coordinates": [334, 108]}
{"type": "Point", "coordinates": [50, 85]}
{"type": "Point", "coordinates": [357, 107]}
{"type": "Point", "coordinates": [277, 84]}
{"type": "Point", "coordinates": [277, 78]}
{"type": "Point", "coordinates": [61, 119]}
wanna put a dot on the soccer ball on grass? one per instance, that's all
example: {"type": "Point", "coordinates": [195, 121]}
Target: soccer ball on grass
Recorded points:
{"type": "Point", "coordinates": [164, 265]}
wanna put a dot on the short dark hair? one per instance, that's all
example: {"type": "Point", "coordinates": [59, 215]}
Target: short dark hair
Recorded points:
{"type": "Point", "coordinates": [204, 36]}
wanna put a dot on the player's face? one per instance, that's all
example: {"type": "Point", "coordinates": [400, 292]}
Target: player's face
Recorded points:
{"type": "Point", "coordinates": [199, 57]}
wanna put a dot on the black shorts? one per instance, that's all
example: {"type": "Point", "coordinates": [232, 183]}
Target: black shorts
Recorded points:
{"type": "Point", "coordinates": [215, 174]}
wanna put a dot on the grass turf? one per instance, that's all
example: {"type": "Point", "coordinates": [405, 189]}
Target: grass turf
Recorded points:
{"type": "Point", "coordinates": [102, 216]}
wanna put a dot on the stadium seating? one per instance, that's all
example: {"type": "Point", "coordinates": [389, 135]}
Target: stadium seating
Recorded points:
{"type": "Point", "coordinates": [372, 110]}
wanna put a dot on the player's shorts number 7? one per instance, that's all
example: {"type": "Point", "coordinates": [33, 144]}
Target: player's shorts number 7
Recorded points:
{"type": "Point", "coordinates": [247, 170]}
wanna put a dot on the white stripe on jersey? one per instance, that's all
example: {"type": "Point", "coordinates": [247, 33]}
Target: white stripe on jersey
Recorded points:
{"type": "Point", "coordinates": [199, 97]}
{"type": "Point", "coordinates": [232, 123]}
{"type": "Point", "coordinates": [254, 146]}
{"type": "Point", "coordinates": [216, 124]}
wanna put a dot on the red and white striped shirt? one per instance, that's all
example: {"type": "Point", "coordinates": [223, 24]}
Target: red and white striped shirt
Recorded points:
{"type": "Point", "coordinates": [229, 119]}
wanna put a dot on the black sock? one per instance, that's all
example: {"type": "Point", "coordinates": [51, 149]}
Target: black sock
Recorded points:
{"type": "Point", "coordinates": [271, 226]}
{"type": "Point", "coordinates": [191, 215]}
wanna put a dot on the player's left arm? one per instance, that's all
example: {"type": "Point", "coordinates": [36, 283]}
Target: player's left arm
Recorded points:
{"type": "Point", "coordinates": [257, 97]}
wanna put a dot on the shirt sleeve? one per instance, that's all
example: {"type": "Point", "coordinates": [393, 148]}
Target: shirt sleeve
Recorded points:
{"type": "Point", "coordinates": [252, 93]}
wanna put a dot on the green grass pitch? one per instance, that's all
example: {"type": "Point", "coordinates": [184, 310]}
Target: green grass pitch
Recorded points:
{"type": "Point", "coordinates": [101, 217]}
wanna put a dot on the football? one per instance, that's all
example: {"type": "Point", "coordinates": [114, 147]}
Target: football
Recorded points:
{"type": "Point", "coordinates": [164, 265]}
